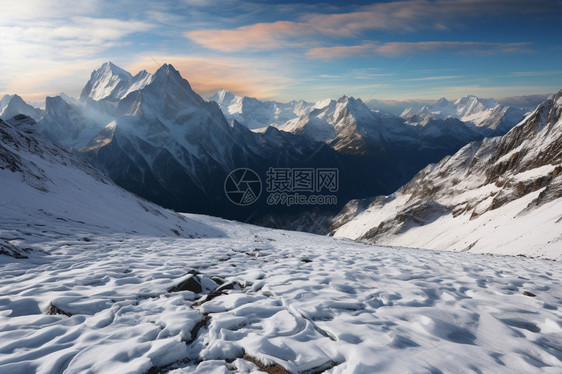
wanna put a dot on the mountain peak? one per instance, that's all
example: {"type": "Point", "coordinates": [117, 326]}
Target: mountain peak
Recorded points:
{"type": "Point", "coordinates": [111, 81]}
{"type": "Point", "coordinates": [167, 68]}
{"type": "Point", "coordinates": [167, 71]}
{"type": "Point", "coordinates": [111, 68]}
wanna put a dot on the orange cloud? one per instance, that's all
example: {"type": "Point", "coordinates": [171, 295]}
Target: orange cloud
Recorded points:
{"type": "Point", "coordinates": [207, 75]}
{"type": "Point", "coordinates": [256, 37]}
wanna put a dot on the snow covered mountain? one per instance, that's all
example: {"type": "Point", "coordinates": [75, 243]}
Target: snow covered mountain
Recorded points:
{"type": "Point", "coordinates": [256, 114]}
{"type": "Point", "coordinates": [486, 115]}
{"type": "Point", "coordinates": [114, 284]}
{"type": "Point", "coordinates": [349, 126]}
{"type": "Point", "coordinates": [343, 123]}
{"type": "Point", "coordinates": [168, 145]}
{"type": "Point", "coordinates": [112, 82]}
{"type": "Point", "coordinates": [12, 105]}
{"type": "Point", "coordinates": [156, 137]}
{"type": "Point", "coordinates": [501, 195]}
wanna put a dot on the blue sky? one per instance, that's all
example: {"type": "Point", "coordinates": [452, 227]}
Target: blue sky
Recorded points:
{"type": "Point", "coordinates": [419, 49]}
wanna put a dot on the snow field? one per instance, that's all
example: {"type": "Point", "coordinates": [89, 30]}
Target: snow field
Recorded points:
{"type": "Point", "coordinates": [307, 303]}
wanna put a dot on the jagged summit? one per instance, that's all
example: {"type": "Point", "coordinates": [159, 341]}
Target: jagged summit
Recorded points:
{"type": "Point", "coordinates": [112, 82]}
{"type": "Point", "coordinates": [111, 68]}
{"type": "Point", "coordinates": [169, 73]}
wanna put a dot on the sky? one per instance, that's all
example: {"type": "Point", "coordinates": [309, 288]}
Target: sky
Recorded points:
{"type": "Point", "coordinates": [285, 50]}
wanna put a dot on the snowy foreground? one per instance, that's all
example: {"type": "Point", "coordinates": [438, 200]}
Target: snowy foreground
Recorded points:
{"type": "Point", "coordinates": [125, 303]}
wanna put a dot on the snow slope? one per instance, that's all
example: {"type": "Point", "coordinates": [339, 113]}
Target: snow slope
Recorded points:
{"type": "Point", "coordinates": [109, 287]}
{"type": "Point", "coordinates": [502, 195]}
{"type": "Point", "coordinates": [46, 188]}
{"type": "Point", "coordinates": [308, 304]}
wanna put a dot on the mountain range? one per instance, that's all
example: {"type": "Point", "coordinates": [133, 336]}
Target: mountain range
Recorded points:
{"type": "Point", "coordinates": [156, 137]}
{"type": "Point", "coordinates": [500, 195]}
{"type": "Point", "coordinates": [485, 116]}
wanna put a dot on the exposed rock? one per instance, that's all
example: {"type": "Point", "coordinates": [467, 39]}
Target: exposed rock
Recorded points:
{"type": "Point", "coordinates": [54, 310]}
{"type": "Point", "coordinates": [191, 283]}
{"type": "Point", "coordinates": [270, 369]}
{"type": "Point", "coordinates": [8, 249]}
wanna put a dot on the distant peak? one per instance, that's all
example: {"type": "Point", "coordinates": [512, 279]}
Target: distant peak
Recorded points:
{"type": "Point", "coordinates": [466, 98]}
{"type": "Point", "coordinates": [225, 95]}
{"type": "Point", "coordinates": [442, 101]}
{"type": "Point", "coordinates": [350, 100]}
{"type": "Point", "coordinates": [473, 100]}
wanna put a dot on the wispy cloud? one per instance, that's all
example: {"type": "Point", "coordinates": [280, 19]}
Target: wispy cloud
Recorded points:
{"type": "Point", "coordinates": [394, 49]}
{"type": "Point", "coordinates": [435, 78]}
{"type": "Point", "coordinates": [539, 73]}
{"type": "Point", "coordinates": [400, 16]}
{"type": "Point", "coordinates": [75, 37]}
{"type": "Point", "coordinates": [49, 45]}
{"type": "Point", "coordinates": [415, 15]}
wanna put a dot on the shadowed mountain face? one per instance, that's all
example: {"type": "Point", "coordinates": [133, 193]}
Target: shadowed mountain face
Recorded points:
{"type": "Point", "coordinates": [156, 137]}
{"type": "Point", "coordinates": [511, 183]}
